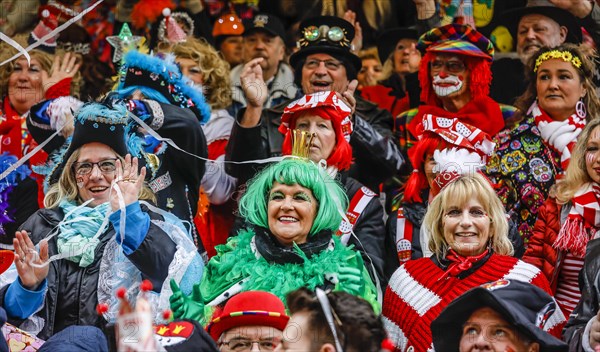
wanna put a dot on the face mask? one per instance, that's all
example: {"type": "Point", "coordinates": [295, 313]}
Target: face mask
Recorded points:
{"type": "Point", "coordinates": [443, 91]}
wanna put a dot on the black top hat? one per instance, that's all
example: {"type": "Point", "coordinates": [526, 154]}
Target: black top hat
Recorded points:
{"type": "Point", "coordinates": [95, 122]}
{"type": "Point", "coordinates": [329, 35]}
{"type": "Point", "coordinates": [545, 8]}
{"type": "Point", "coordinates": [266, 23]}
{"type": "Point", "coordinates": [387, 40]}
{"type": "Point", "coordinates": [521, 304]}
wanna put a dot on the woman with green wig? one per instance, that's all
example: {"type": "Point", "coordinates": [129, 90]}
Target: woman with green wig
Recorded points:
{"type": "Point", "coordinates": [293, 208]}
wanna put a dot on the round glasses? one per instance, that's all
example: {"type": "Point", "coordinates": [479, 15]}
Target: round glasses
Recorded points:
{"type": "Point", "coordinates": [453, 66]}
{"type": "Point", "coordinates": [85, 168]}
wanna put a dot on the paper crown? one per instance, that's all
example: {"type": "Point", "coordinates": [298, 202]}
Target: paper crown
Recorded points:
{"type": "Point", "coordinates": [228, 24]}
{"type": "Point", "coordinates": [457, 39]}
{"type": "Point", "coordinates": [47, 24]}
{"type": "Point", "coordinates": [458, 133]}
{"type": "Point", "coordinates": [164, 77]}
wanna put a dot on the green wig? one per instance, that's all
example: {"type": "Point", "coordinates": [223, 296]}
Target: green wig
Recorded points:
{"type": "Point", "coordinates": [331, 198]}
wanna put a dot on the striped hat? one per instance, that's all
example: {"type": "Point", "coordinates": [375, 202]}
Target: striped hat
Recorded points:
{"type": "Point", "coordinates": [256, 308]}
{"type": "Point", "coordinates": [457, 39]}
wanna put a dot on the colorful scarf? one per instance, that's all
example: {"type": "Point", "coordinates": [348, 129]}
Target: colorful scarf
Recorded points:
{"type": "Point", "coordinates": [6, 187]}
{"type": "Point", "coordinates": [78, 230]}
{"type": "Point", "coordinates": [559, 135]}
{"type": "Point", "coordinates": [582, 222]}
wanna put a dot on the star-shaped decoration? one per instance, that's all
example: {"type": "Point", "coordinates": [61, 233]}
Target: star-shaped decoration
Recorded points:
{"type": "Point", "coordinates": [123, 42]}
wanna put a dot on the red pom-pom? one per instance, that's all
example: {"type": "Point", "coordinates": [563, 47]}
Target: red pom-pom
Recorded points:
{"type": "Point", "coordinates": [166, 314]}
{"type": "Point", "coordinates": [121, 292]}
{"type": "Point", "coordinates": [146, 286]}
{"type": "Point", "coordinates": [101, 308]}
{"type": "Point", "coordinates": [387, 345]}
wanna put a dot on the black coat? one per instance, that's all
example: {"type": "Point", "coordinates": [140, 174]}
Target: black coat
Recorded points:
{"type": "Point", "coordinates": [71, 298]}
{"type": "Point", "coordinates": [376, 153]}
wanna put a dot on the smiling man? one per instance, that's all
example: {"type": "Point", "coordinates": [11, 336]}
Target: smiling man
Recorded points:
{"type": "Point", "coordinates": [323, 63]}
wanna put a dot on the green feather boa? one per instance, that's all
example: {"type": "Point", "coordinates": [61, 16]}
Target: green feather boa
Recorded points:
{"type": "Point", "coordinates": [235, 261]}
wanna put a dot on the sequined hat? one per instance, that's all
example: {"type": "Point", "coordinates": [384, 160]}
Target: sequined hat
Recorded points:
{"type": "Point", "coordinates": [457, 39]}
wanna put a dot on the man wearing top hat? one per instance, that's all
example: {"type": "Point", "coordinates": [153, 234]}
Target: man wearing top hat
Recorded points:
{"type": "Point", "coordinates": [264, 37]}
{"type": "Point", "coordinates": [323, 63]}
{"type": "Point", "coordinates": [540, 23]}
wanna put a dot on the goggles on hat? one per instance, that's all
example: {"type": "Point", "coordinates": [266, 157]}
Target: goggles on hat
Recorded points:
{"type": "Point", "coordinates": [334, 34]}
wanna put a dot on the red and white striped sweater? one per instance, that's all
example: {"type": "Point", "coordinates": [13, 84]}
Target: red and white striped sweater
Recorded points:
{"type": "Point", "coordinates": [415, 297]}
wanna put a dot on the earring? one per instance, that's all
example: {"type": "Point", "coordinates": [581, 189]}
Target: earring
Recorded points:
{"type": "Point", "coordinates": [580, 109]}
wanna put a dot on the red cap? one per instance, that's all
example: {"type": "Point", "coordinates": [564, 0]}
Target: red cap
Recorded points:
{"type": "Point", "coordinates": [249, 308]}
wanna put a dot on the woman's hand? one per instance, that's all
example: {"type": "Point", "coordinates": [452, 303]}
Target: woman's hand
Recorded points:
{"type": "Point", "coordinates": [186, 307]}
{"type": "Point", "coordinates": [129, 181]}
{"type": "Point", "coordinates": [357, 42]}
{"type": "Point", "coordinates": [26, 255]}
{"type": "Point", "coordinates": [65, 67]}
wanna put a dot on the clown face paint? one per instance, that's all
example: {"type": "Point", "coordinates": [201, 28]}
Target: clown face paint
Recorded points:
{"type": "Point", "coordinates": [447, 85]}
{"type": "Point", "coordinates": [592, 159]}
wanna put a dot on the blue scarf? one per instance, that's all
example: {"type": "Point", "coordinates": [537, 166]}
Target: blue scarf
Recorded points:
{"type": "Point", "coordinates": [77, 236]}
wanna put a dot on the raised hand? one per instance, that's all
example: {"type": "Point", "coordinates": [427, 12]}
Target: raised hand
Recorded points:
{"type": "Point", "coordinates": [253, 84]}
{"type": "Point", "coordinates": [128, 179]}
{"type": "Point", "coordinates": [25, 255]}
{"type": "Point", "coordinates": [357, 42]}
{"type": "Point", "coordinates": [65, 67]}
{"type": "Point", "coordinates": [348, 96]}
{"type": "Point", "coordinates": [186, 307]}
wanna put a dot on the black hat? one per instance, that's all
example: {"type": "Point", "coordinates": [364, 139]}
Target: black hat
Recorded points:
{"type": "Point", "coordinates": [545, 8]}
{"type": "Point", "coordinates": [95, 122]}
{"type": "Point", "coordinates": [266, 23]}
{"type": "Point", "coordinates": [523, 305]}
{"type": "Point", "coordinates": [387, 41]}
{"type": "Point", "coordinates": [329, 35]}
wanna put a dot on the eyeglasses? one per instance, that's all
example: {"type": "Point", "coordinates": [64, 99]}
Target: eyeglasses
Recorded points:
{"type": "Point", "coordinates": [329, 64]}
{"type": "Point", "coordinates": [242, 345]}
{"type": "Point", "coordinates": [106, 166]}
{"type": "Point", "coordinates": [451, 66]}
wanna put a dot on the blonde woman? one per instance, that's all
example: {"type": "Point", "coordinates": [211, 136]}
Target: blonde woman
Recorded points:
{"type": "Point", "coordinates": [567, 220]}
{"type": "Point", "coordinates": [201, 63]}
{"type": "Point", "coordinates": [471, 247]}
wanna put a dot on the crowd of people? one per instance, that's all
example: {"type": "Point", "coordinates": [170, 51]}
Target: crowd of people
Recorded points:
{"type": "Point", "coordinates": [411, 175]}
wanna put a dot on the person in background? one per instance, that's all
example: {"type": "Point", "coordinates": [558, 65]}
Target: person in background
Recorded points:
{"type": "Point", "coordinates": [264, 39]}
{"type": "Point", "coordinates": [371, 69]}
{"type": "Point", "coordinates": [566, 221]}
{"type": "Point", "coordinates": [470, 247]}
{"type": "Point", "coordinates": [331, 321]}
{"type": "Point", "coordinates": [227, 32]}
{"type": "Point", "coordinates": [202, 65]}
{"type": "Point", "coordinates": [503, 315]}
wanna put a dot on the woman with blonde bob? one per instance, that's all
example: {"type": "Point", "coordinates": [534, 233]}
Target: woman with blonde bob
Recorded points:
{"type": "Point", "coordinates": [567, 221]}
{"type": "Point", "coordinates": [471, 247]}
{"type": "Point", "coordinates": [201, 63]}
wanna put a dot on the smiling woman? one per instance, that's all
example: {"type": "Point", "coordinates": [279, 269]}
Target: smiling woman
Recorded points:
{"type": "Point", "coordinates": [471, 247]}
{"type": "Point", "coordinates": [291, 210]}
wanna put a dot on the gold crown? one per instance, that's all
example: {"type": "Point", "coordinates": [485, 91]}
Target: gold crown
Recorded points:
{"type": "Point", "coordinates": [565, 56]}
{"type": "Point", "coordinates": [301, 142]}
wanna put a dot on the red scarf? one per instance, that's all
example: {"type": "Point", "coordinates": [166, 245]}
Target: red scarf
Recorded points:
{"type": "Point", "coordinates": [460, 264]}
{"type": "Point", "coordinates": [550, 130]}
{"type": "Point", "coordinates": [483, 113]}
{"type": "Point", "coordinates": [582, 222]}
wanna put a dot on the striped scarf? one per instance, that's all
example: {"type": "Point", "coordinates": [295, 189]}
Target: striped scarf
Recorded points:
{"type": "Point", "coordinates": [582, 222]}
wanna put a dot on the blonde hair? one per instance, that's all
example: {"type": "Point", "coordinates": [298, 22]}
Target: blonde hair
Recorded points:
{"type": "Point", "coordinates": [459, 193]}
{"type": "Point", "coordinates": [7, 51]}
{"type": "Point", "coordinates": [576, 174]}
{"type": "Point", "coordinates": [66, 187]}
{"type": "Point", "coordinates": [215, 70]}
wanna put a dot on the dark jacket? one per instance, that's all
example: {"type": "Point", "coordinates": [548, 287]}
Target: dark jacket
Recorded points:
{"type": "Point", "coordinates": [71, 298]}
{"type": "Point", "coordinates": [587, 309]}
{"type": "Point", "coordinates": [376, 154]}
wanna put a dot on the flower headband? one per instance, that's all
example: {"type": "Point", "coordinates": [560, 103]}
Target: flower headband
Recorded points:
{"type": "Point", "coordinates": [565, 56]}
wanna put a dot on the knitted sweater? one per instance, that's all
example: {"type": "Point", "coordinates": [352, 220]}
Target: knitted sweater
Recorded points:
{"type": "Point", "coordinates": [415, 297]}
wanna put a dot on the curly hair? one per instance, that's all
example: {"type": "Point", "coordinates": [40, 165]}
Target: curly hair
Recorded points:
{"type": "Point", "coordinates": [215, 70]}
{"type": "Point", "coordinates": [458, 193]}
{"type": "Point", "coordinates": [359, 328]}
{"type": "Point", "coordinates": [479, 81]}
{"type": "Point", "coordinates": [586, 73]}
{"type": "Point", "coordinates": [576, 174]}
{"type": "Point", "coordinates": [7, 52]}
{"type": "Point", "coordinates": [331, 198]}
